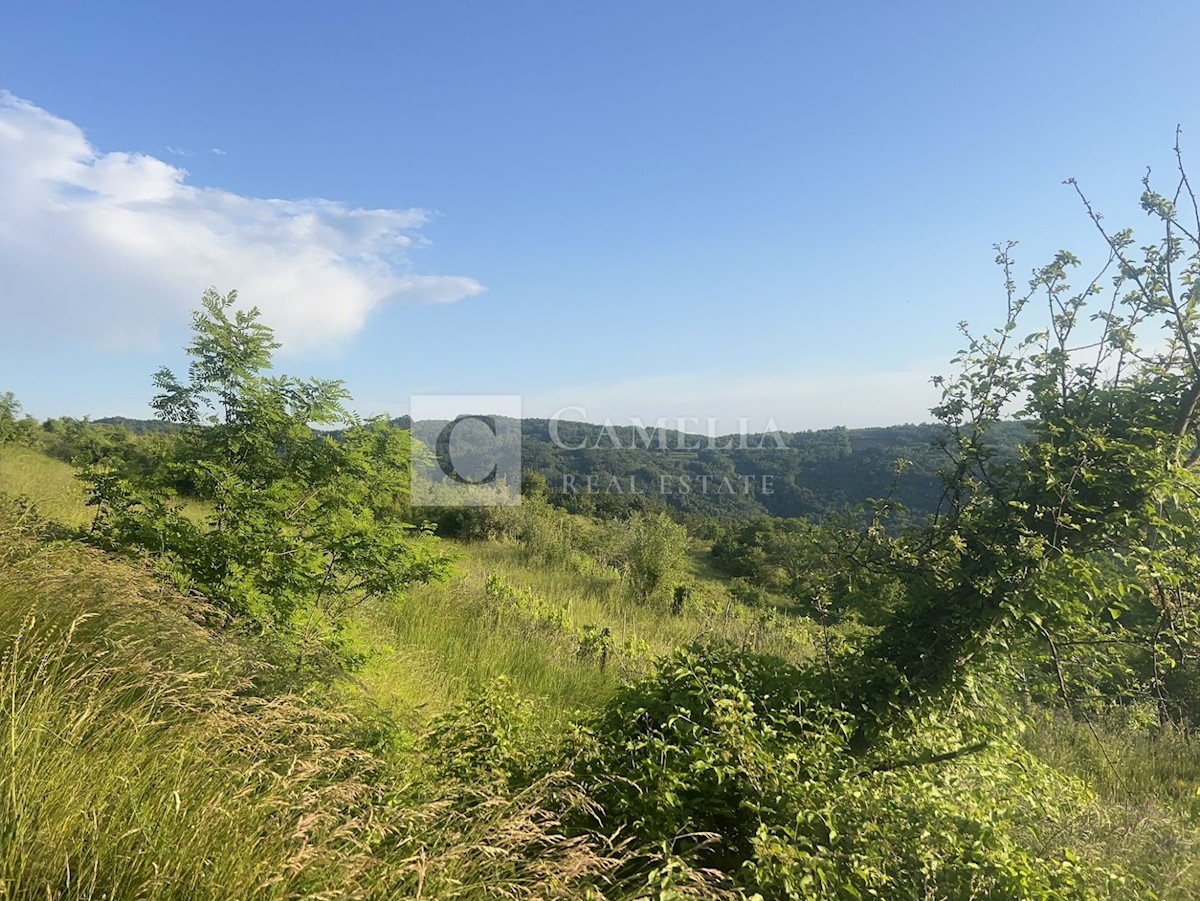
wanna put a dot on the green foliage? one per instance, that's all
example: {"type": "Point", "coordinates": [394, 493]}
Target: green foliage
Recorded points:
{"type": "Point", "coordinates": [13, 427]}
{"type": "Point", "coordinates": [727, 757]}
{"type": "Point", "coordinates": [10, 408]}
{"type": "Point", "coordinates": [138, 759]}
{"type": "Point", "coordinates": [495, 518]}
{"type": "Point", "coordinates": [595, 643]}
{"type": "Point", "coordinates": [613, 472]}
{"type": "Point", "coordinates": [655, 551]}
{"type": "Point", "coordinates": [83, 442]}
{"type": "Point", "coordinates": [530, 614]}
{"type": "Point", "coordinates": [1092, 534]}
{"type": "Point", "coordinates": [302, 527]}
{"type": "Point", "coordinates": [535, 609]}
{"type": "Point", "coordinates": [546, 534]}
{"type": "Point", "coordinates": [491, 739]}
{"type": "Point", "coordinates": [809, 566]}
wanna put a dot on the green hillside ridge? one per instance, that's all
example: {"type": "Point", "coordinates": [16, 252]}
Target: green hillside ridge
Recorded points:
{"type": "Point", "coordinates": [806, 474]}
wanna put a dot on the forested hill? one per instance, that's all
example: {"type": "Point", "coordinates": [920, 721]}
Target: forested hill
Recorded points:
{"type": "Point", "coordinates": [604, 468]}
{"type": "Point", "coordinates": [594, 468]}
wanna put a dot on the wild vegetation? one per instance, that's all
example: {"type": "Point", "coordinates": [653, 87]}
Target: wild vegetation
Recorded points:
{"type": "Point", "coordinates": [235, 661]}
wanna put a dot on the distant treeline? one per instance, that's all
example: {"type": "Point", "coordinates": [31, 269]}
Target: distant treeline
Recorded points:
{"type": "Point", "coordinates": [599, 469]}
{"type": "Point", "coordinates": [591, 468]}
{"type": "Point", "coordinates": [602, 469]}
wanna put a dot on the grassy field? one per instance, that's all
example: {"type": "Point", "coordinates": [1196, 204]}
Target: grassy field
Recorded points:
{"type": "Point", "coordinates": [55, 491]}
{"type": "Point", "coordinates": [139, 759]}
{"type": "Point", "coordinates": [446, 639]}
{"type": "Point", "coordinates": [49, 483]}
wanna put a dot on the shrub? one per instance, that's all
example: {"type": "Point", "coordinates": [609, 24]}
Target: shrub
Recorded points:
{"type": "Point", "coordinates": [725, 756]}
{"type": "Point", "coordinates": [656, 549]}
{"type": "Point", "coordinates": [300, 531]}
{"type": "Point", "coordinates": [13, 428]}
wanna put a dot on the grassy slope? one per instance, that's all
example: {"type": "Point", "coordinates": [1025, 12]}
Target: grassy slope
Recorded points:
{"type": "Point", "coordinates": [132, 764]}
{"type": "Point", "coordinates": [152, 698]}
{"type": "Point", "coordinates": [448, 638]}
{"type": "Point", "coordinates": [139, 759]}
{"type": "Point", "coordinates": [52, 486]}
{"type": "Point", "coordinates": [429, 651]}
{"type": "Point", "coordinates": [49, 483]}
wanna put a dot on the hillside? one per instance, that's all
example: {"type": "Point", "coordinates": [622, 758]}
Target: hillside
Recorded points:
{"type": "Point", "coordinates": [808, 474]}
{"type": "Point", "coordinates": [273, 641]}
{"type": "Point", "coordinates": [502, 656]}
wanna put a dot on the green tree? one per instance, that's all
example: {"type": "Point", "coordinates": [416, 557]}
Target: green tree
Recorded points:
{"type": "Point", "coordinates": [301, 528]}
{"type": "Point", "coordinates": [795, 561]}
{"type": "Point", "coordinates": [1095, 529]}
{"type": "Point", "coordinates": [13, 427]}
{"type": "Point", "coordinates": [655, 553]}
{"type": "Point", "coordinates": [10, 409]}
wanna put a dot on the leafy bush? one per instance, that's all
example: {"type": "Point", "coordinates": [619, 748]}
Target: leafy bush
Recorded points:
{"type": "Point", "coordinates": [490, 740]}
{"type": "Point", "coordinates": [301, 529]}
{"type": "Point", "coordinates": [548, 535]}
{"type": "Point", "coordinates": [497, 519]}
{"type": "Point", "coordinates": [810, 566]}
{"type": "Point", "coordinates": [13, 427]}
{"type": "Point", "coordinates": [726, 757]}
{"type": "Point", "coordinates": [525, 603]}
{"type": "Point", "coordinates": [655, 551]}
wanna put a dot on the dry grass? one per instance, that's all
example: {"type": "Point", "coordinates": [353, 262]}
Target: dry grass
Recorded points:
{"type": "Point", "coordinates": [1147, 786]}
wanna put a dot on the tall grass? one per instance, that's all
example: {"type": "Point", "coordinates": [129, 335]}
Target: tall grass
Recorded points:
{"type": "Point", "coordinates": [433, 651]}
{"type": "Point", "coordinates": [1147, 785]}
{"type": "Point", "coordinates": [444, 640]}
{"type": "Point", "coordinates": [599, 595]}
{"type": "Point", "coordinates": [139, 759]}
{"type": "Point", "coordinates": [134, 762]}
{"type": "Point", "coordinates": [48, 483]}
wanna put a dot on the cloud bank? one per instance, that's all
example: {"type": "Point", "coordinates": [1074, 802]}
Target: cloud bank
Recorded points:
{"type": "Point", "coordinates": [112, 246]}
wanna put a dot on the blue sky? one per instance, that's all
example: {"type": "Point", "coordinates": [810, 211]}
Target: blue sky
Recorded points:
{"type": "Point", "coordinates": [641, 209]}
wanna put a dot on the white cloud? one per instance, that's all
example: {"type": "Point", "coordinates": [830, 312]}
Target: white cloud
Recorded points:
{"type": "Point", "coordinates": [112, 246]}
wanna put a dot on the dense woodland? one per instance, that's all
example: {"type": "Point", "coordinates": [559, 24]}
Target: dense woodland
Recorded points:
{"type": "Point", "coordinates": [950, 661]}
{"type": "Point", "coordinates": [811, 475]}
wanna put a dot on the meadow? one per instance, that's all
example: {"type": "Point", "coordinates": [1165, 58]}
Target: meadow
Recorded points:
{"type": "Point", "coordinates": [148, 755]}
